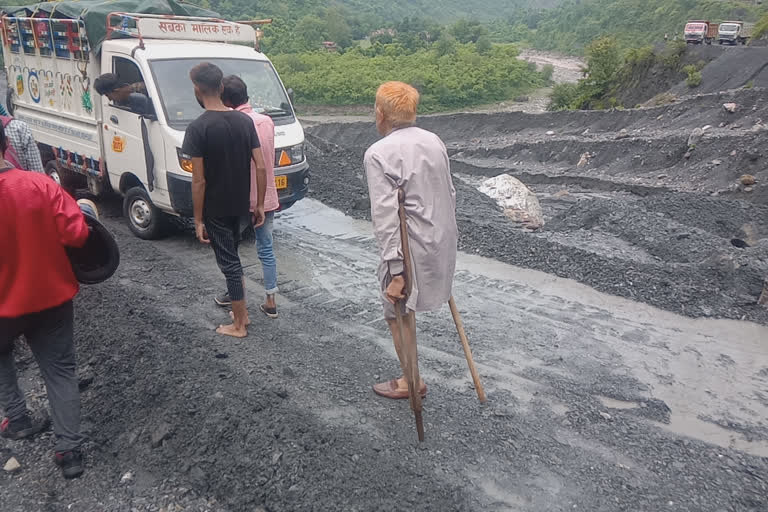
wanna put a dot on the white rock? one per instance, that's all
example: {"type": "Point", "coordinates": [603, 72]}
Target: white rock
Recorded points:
{"type": "Point", "coordinates": [127, 478]}
{"type": "Point", "coordinates": [695, 137]}
{"type": "Point", "coordinates": [12, 465]}
{"type": "Point", "coordinates": [730, 107]}
{"type": "Point", "coordinates": [550, 132]}
{"type": "Point", "coordinates": [518, 201]}
{"type": "Point", "coordinates": [584, 160]}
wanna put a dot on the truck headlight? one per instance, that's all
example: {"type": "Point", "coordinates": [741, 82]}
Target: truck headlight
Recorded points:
{"type": "Point", "coordinates": [289, 156]}
{"type": "Point", "coordinates": [185, 162]}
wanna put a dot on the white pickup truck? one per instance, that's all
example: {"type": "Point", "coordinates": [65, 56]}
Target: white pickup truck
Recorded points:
{"type": "Point", "coordinates": [52, 63]}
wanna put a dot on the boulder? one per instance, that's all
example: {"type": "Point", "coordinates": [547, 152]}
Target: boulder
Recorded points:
{"type": "Point", "coordinates": [519, 203]}
{"type": "Point", "coordinates": [12, 465]}
{"type": "Point", "coordinates": [584, 160]}
{"type": "Point", "coordinates": [695, 136]}
{"type": "Point", "coordinates": [730, 107]}
{"type": "Point", "coordinates": [747, 180]}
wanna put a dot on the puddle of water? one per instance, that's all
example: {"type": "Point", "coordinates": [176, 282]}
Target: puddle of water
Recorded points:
{"type": "Point", "coordinates": [695, 428]}
{"type": "Point", "coordinates": [612, 403]}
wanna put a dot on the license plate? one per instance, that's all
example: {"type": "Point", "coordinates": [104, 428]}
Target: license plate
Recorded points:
{"type": "Point", "coordinates": [281, 182]}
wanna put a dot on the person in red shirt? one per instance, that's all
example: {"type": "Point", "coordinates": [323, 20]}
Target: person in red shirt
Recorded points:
{"type": "Point", "coordinates": [38, 220]}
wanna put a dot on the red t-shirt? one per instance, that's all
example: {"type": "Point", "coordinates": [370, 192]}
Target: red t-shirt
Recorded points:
{"type": "Point", "coordinates": [37, 220]}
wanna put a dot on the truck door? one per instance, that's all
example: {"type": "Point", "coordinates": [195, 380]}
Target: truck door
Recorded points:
{"type": "Point", "coordinates": [123, 141]}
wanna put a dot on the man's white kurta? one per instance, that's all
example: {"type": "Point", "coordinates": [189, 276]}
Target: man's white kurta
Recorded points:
{"type": "Point", "coordinates": [416, 161]}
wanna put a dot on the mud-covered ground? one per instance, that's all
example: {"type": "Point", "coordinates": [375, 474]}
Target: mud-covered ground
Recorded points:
{"type": "Point", "coordinates": [649, 217]}
{"type": "Point", "coordinates": [595, 402]}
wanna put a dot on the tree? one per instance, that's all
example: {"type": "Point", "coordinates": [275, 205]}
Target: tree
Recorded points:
{"type": "Point", "coordinates": [337, 28]}
{"type": "Point", "coordinates": [761, 28]}
{"type": "Point", "coordinates": [483, 45]}
{"type": "Point", "coordinates": [446, 45]}
{"type": "Point", "coordinates": [603, 62]}
{"type": "Point", "coordinates": [311, 31]}
{"type": "Point", "coordinates": [468, 31]}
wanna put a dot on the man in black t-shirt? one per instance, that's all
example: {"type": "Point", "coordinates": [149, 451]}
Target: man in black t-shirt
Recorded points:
{"type": "Point", "coordinates": [222, 143]}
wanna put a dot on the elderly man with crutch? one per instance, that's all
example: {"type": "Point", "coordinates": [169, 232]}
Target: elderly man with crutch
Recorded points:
{"type": "Point", "coordinates": [409, 182]}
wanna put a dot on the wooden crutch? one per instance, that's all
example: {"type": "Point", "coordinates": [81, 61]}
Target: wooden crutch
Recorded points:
{"type": "Point", "coordinates": [467, 350]}
{"type": "Point", "coordinates": [409, 349]}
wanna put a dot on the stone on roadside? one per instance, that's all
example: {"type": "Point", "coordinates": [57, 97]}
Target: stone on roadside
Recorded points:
{"type": "Point", "coordinates": [126, 478]}
{"type": "Point", "coordinates": [518, 201]}
{"type": "Point", "coordinates": [747, 180]}
{"type": "Point", "coordinates": [160, 434]}
{"type": "Point", "coordinates": [623, 134]}
{"type": "Point", "coordinates": [763, 300]}
{"type": "Point", "coordinates": [12, 465]}
{"type": "Point", "coordinates": [730, 107]}
{"type": "Point", "coordinates": [695, 137]}
{"type": "Point", "coordinates": [550, 132]}
{"type": "Point", "coordinates": [584, 160]}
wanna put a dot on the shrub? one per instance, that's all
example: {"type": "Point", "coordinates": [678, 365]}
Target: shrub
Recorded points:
{"type": "Point", "coordinates": [547, 71]}
{"type": "Point", "coordinates": [448, 81]}
{"type": "Point", "coordinates": [563, 97]}
{"type": "Point", "coordinates": [694, 76]}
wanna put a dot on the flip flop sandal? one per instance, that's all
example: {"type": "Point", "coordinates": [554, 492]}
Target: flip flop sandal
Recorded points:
{"type": "Point", "coordinates": [270, 312]}
{"type": "Point", "coordinates": [390, 390]}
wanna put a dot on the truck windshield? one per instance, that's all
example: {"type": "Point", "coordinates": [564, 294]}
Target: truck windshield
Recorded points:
{"type": "Point", "coordinates": [178, 97]}
{"type": "Point", "coordinates": [728, 27]}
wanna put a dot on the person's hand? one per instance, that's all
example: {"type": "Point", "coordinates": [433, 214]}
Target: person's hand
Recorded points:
{"type": "Point", "coordinates": [201, 233]}
{"type": "Point", "coordinates": [259, 217]}
{"type": "Point", "coordinates": [395, 290]}
{"type": "Point", "coordinates": [88, 206]}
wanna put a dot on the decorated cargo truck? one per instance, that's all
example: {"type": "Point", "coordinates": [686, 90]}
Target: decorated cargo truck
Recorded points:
{"type": "Point", "coordinates": [53, 53]}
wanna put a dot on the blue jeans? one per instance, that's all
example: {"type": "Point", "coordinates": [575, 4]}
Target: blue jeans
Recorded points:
{"type": "Point", "coordinates": [267, 254]}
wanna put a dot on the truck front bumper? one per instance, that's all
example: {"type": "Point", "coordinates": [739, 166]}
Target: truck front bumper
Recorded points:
{"type": "Point", "coordinates": [298, 177]}
{"type": "Point", "coordinates": [298, 183]}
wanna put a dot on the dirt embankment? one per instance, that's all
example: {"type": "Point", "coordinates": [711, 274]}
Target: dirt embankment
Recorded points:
{"type": "Point", "coordinates": [646, 216]}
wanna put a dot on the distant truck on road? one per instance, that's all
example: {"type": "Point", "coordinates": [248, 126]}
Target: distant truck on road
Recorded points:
{"type": "Point", "coordinates": [734, 32]}
{"type": "Point", "coordinates": [54, 52]}
{"type": "Point", "coordinates": [700, 32]}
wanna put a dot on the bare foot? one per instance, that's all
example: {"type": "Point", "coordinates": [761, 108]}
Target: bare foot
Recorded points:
{"type": "Point", "coordinates": [231, 330]}
{"type": "Point", "coordinates": [247, 318]}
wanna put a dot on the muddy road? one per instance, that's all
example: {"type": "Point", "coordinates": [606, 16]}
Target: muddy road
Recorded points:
{"type": "Point", "coordinates": [595, 402]}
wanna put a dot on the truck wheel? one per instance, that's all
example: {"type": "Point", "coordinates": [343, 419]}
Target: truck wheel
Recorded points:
{"type": "Point", "coordinates": [144, 218]}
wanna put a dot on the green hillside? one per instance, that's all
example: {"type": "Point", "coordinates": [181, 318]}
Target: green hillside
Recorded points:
{"type": "Point", "coordinates": [379, 12]}
{"type": "Point", "coordinates": [572, 25]}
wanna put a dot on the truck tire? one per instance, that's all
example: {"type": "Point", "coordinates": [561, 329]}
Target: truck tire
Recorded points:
{"type": "Point", "coordinates": [144, 218]}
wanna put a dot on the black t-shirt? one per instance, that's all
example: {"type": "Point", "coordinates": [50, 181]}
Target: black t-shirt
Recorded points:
{"type": "Point", "coordinates": [225, 140]}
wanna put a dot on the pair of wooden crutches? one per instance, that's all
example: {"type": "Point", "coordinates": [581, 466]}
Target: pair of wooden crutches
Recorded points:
{"type": "Point", "coordinates": [409, 356]}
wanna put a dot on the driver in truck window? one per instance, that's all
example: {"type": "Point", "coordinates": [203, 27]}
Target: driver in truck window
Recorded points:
{"type": "Point", "coordinates": [132, 96]}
